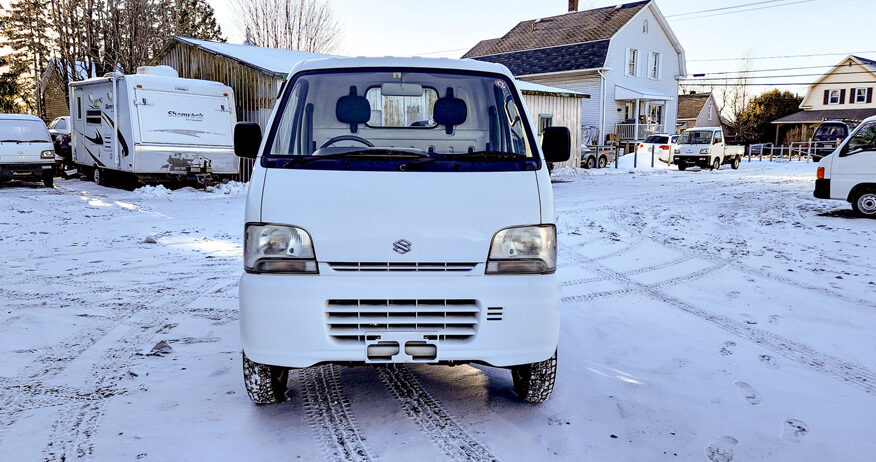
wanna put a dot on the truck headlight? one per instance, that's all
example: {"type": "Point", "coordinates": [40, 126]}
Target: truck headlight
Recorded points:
{"type": "Point", "coordinates": [524, 250]}
{"type": "Point", "coordinates": [677, 151]}
{"type": "Point", "coordinates": [704, 151]}
{"type": "Point", "coordinates": [278, 249]}
{"type": "Point", "coordinates": [47, 155]}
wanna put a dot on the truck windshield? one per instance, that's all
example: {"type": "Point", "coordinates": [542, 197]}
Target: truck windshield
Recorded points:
{"type": "Point", "coordinates": [695, 138]}
{"type": "Point", "coordinates": [400, 119]}
{"type": "Point", "coordinates": [14, 130]}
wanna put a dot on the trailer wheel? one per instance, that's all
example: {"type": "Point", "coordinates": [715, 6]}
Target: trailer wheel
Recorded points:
{"type": "Point", "coordinates": [590, 163]}
{"type": "Point", "coordinates": [864, 203]}
{"type": "Point", "coordinates": [48, 180]}
{"type": "Point", "coordinates": [603, 161]}
{"type": "Point", "coordinates": [99, 176]}
{"type": "Point", "coordinates": [534, 382]}
{"type": "Point", "coordinates": [735, 164]}
{"type": "Point", "coordinates": [716, 165]}
{"type": "Point", "coordinates": [264, 384]}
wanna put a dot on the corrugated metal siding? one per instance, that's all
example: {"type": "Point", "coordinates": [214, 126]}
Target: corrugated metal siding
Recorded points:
{"type": "Point", "coordinates": [566, 112]}
{"type": "Point", "coordinates": [254, 91]}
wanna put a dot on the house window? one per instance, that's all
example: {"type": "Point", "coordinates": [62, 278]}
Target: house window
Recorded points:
{"type": "Point", "coordinates": [632, 62]}
{"type": "Point", "coordinates": [834, 97]}
{"type": "Point", "coordinates": [654, 66]}
{"type": "Point", "coordinates": [544, 121]}
{"type": "Point", "coordinates": [860, 95]}
{"type": "Point", "coordinates": [645, 27]}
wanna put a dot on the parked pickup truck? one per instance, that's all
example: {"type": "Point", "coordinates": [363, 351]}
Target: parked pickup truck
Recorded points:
{"type": "Point", "coordinates": [705, 148]}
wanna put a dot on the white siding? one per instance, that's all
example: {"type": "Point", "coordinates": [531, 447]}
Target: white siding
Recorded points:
{"type": "Point", "coordinates": [587, 83]}
{"type": "Point", "coordinates": [566, 113]}
{"type": "Point", "coordinates": [834, 81]}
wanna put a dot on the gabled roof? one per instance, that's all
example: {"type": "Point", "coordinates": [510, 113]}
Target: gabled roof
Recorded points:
{"type": "Point", "coordinates": [566, 29]}
{"type": "Point", "coordinates": [690, 106]}
{"type": "Point", "coordinates": [869, 63]}
{"type": "Point", "coordinates": [267, 60]}
{"type": "Point", "coordinates": [820, 115]}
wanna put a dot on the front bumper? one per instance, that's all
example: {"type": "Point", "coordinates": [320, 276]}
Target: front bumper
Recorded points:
{"type": "Point", "coordinates": [698, 160]}
{"type": "Point", "coordinates": [822, 188]}
{"type": "Point", "coordinates": [27, 171]}
{"type": "Point", "coordinates": [284, 319]}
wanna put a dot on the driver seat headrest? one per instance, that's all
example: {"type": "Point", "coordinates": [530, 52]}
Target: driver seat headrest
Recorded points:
{"type": "Point", "coordinates": [449, 111]}
{"type": "Point", "coordinates": [353, 109]}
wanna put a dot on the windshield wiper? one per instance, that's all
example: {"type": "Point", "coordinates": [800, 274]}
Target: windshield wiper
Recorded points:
{"type": "Point", "coordinates": [469, 157]}
{"type": "Point", "coordinates": [358, 154]}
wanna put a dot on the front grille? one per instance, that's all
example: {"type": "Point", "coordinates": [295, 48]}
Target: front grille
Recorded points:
{"type": "Point", "coordinates": [393, 266]}
{"type": "Point", "coordinates": [451, 320]}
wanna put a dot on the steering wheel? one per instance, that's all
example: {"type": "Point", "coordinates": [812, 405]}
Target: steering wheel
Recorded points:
{"type": "Point", "coordinates": [355, 138]}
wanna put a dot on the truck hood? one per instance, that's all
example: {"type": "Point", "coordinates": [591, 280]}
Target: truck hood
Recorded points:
{"type": "Point", "coordinates": [691, 148]}
{"type": "Point", "coordinates": [358, 216]}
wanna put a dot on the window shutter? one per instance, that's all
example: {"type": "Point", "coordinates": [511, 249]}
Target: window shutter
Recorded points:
{"type": "Point", "coordinates": [870, 95]}
{"type": "Point", "coordinates": [852, 96]}
{"type": "Point", "coordinates": [842, 96]}
{"type": "Point", "coordinates": [826, 97]}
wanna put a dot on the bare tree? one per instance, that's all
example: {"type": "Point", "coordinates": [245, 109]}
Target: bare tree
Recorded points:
{"type": "Point", "coordinates": [304, 25]}
{"type": "Point", "coordinates": [731, 93]}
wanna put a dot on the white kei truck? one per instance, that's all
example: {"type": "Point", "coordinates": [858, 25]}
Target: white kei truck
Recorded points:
{"type": "Point", "coordinates": [26, 149]}
{"type": "Point", "coordinates": [705, 148]}
{"type": "Point", "coordinates": [400, 211]}
{"type": "Point", "coordinates": [152, 126]}
{"type": "Point", "coordinates": [849, 173]}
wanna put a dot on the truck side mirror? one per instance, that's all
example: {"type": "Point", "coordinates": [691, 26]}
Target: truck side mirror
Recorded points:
{"type": "Point", "coordinates": [247, 139]}
{"type": "Point", "coordinates": [556, 144]}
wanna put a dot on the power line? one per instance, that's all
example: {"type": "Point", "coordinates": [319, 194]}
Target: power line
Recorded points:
{"type": "Point", "coordinates": [775, 76]}
{"type": "Point", "coordinates": [723, 8]}
{"type": "Point", "coordinates": [439, 52]}
{"type": "Point", "coordinates": [781, 57]}
{"type": "Point", "coordinates": [775, 84]}
{"type": "Point", "coordinates": [749, 9]}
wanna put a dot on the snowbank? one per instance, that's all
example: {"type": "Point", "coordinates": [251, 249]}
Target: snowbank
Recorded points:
{"type": "Point", "coordinates": [152, 191]}
{"type": "Point", "coordinates": [232, 188]}
{"type": "Point", "coordinates": [642, 163]}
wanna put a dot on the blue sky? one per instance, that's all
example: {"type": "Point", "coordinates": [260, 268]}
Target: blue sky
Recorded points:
{"type": "Point", "coordinates": [404, 28]}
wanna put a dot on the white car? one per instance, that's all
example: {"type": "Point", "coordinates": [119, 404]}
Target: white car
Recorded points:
{"type": "Point", "coordinates": [849, 173]}
{"type": "Point", "coordinates": [26, 151]}
{"type": "Point", "coordinates": [661, 144]}
{"type": "Point", "coordinates": [400, 211]}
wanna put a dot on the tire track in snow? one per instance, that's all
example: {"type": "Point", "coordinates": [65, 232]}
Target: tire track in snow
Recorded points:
{"type": "Point", "coordinates": [847, 372]}
{"type": "Point", "coordinates": [434, 421]}
{"type": "Point", "coordinates": [329, 415]}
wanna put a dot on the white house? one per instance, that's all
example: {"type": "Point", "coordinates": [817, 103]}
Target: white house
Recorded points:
{"type": "Point", "coordinates": [626, 57]}
{"type": "Point", "coordinates": [697, 110]}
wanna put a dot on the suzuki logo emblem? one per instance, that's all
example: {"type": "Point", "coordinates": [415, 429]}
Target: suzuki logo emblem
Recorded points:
{"type": "Point", "coordinates": [401, 246]}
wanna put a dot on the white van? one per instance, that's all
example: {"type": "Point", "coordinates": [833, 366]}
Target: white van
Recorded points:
{"type": "Point", "coordinates": [26, 150]}
{"type": "Point", "coordinates": [400, 211]}
{"type": "Point", "coordinates": [849, 173]}
{"type": "Point", "coordinates": [152, 125]}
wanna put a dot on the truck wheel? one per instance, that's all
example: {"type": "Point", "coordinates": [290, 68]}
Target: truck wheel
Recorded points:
{"type": "Point", "coordinates": [264, 384]}
{"type": "Point", "coordinates": [534, 382]}
{"type": "Point", "coordinates": [864, 203]}
{"type": "Point", "coordinates": [735, 164]}
{"type": "Point", "coordinates": [603, 162]}
{"type": "Point", "coordinates": [48, 181]}
{"type": "Point", "coordinates": [590, 163]}
{"type": "Point", "coordinates": [682, 166]}
{"type": "Point", "coordinates": [716, 165]}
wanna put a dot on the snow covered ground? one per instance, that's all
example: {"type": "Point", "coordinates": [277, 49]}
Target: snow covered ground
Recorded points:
{"type": "Point", "coordinates": [706, 316]}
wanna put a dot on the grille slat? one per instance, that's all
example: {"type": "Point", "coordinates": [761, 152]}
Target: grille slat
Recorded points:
{"type": "Point", "coordinates": [351, 319]}
{"type": "Point", "coordinates": [402, 266]}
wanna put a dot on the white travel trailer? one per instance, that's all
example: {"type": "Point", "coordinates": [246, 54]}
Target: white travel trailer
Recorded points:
{"type": "Point", "coordinates": [163, 127]}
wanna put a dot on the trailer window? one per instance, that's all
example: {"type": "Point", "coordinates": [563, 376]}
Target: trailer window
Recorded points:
{"type": "Point", "coordinates": [92, 117]}
{"type": "Point", "coordinates": [79, 107]}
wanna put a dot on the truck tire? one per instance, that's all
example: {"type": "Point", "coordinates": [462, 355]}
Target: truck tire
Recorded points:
{"type": "Point", "coordinates": [590, 163]}
{"type": "Point", "coordinates": [48, 180]}
{"type": "Point", "coordinates": [735, 164]}
{"type": "Point", "coordinates": [682, 166]}
{"type": "Point", "coordinates": [864, 203]}
{"type": "Point", "coordinates": [264, 384]}
{"type": "Point", "coordinates": [603, 161]}
{"type": "Point", "coordinates": [534, 382]}
{"type": "Point", "coordinates": [716, 165]}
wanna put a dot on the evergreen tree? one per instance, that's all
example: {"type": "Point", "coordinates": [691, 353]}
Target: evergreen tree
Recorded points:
{"type": "Point", "coordinates": [24, 31]}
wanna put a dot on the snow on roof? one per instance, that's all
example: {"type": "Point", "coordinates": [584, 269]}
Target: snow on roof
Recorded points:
{"type": "Point", "coordinates": [19, 117]}
{"type": "Point", "coordinates": [274, 60]}
{"type": "Point", "coordinates": [525, 86]}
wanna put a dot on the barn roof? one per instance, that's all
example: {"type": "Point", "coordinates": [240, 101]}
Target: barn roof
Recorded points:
{"type": "Point", "coordinates": [267, 60]}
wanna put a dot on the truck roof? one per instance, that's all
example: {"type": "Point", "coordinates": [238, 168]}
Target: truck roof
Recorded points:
{"type": "Point", "coordinates": [389, 61]}
{"type": "Point", "coordinates": [703, 129]}
{"type": "Point", "coordinates": [19, 117]}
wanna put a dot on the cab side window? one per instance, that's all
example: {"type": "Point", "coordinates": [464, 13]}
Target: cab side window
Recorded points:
{"type": "Point", "coordinates": [719, 138]}
{"type": "Point", "coordinates": [863, 140]}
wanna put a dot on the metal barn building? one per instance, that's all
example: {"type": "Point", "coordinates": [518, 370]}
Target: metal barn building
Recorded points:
{"type": "Point", "coordinates": [256, 75]}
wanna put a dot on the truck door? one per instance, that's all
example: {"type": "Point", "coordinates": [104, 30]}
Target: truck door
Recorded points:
{"type": "Point", "coordinates": [855, 163]}
{"type": "Point", "coordinates": [718, 146]}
